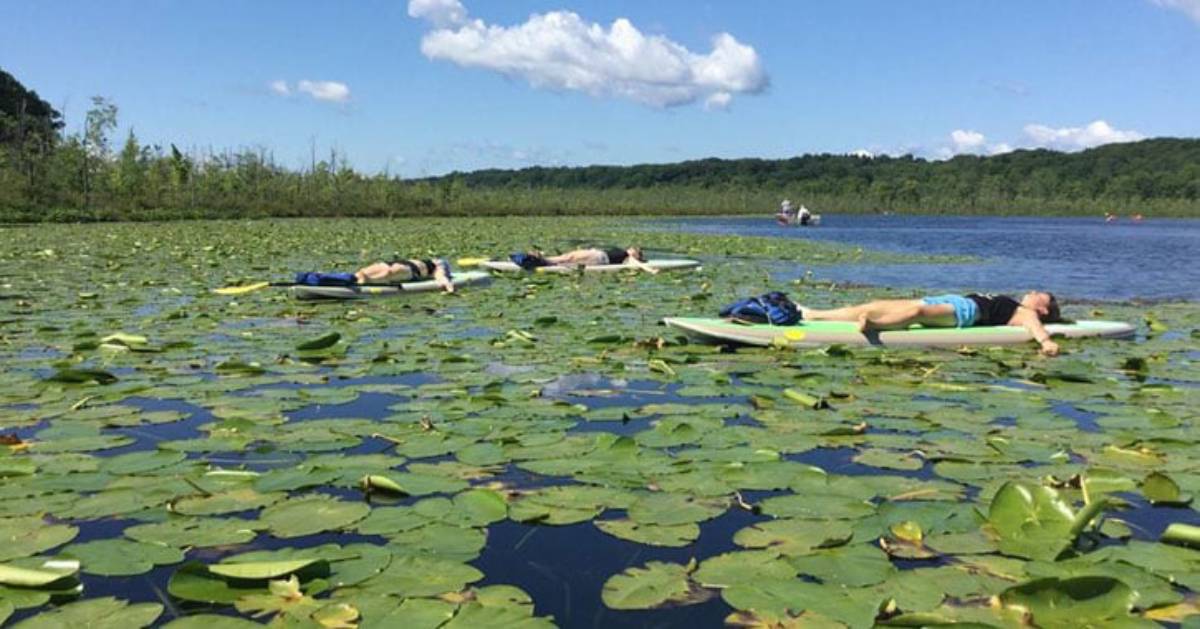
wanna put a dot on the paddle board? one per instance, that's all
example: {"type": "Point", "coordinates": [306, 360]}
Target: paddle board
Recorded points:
{"type": "Point", "coordinates": [817, 333]}
{"type": "Point", "coordinates": [465, 278]}
{"type": "Point", "coordinates": [505, 266]}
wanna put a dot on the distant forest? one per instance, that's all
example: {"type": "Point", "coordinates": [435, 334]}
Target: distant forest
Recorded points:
{"type": "Point", "coordinates": [49, 174]}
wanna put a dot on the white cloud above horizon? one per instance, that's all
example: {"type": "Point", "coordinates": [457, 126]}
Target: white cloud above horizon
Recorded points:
{"type": "Point", "coordinates": [559, 50]}
{"type": "Point", "coordinates": [328, 91]}
{"type": "Point", "coordinates": [1096, 133]}
{"type": "Point", "coordinates": [1190, 8]}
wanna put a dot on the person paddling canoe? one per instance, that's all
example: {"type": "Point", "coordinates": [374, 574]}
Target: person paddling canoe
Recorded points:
{"type": "Point", "coordinates": [400, 270]}
{"type": "Point", "coordinates": [632, 256]}
{"type": "Point", "coordinates": [1034, 309]}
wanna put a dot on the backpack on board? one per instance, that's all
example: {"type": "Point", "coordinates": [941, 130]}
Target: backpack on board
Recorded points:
{"type": "Point", "coordinates": [773, 308]}
{"type": "Point", "coordinates": [313, 278]}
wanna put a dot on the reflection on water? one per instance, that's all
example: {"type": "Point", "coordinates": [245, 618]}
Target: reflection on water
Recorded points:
{"type": "Point", "coordinates": [1078, 258]}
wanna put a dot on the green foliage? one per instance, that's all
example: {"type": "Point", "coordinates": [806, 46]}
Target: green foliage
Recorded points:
{"type": "Point", "coordinates": [48, 176]}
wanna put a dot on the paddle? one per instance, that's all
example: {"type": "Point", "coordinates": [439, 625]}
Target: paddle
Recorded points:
{"type": "Point", "coordinates": [250, 288]}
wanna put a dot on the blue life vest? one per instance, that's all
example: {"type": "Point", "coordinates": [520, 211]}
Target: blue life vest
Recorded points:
{"type": "Point", "coordinates": [313, 278]}
{"type": "Point", "coordinates": [528, 261]}
{"type": "Point", "coordinates": [774, 308]}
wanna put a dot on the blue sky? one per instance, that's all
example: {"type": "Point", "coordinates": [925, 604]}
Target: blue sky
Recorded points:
{"type": "Point", "coordinates": [428, 86]}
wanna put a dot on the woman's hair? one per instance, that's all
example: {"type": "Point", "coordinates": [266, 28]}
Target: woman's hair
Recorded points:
{"type": "Point", "coordinates": [1053, 314]}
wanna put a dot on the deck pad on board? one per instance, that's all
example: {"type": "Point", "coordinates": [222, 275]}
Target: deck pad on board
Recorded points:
{"type": "Point", "coordinates": [813, 333]}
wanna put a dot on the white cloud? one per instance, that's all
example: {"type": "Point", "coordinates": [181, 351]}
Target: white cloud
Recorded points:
{"type": "Point", "coordinates": [863, 153]}
{"type": "Point", "coordinates": [1077, 138]}
{"type": "Point", "coordinates": [965, 141]}
{"type": "Point", "coordinates": [720, 100]}
{"type": "Point", "coordinates": [332, 91]}
{"type": "Point", "coordinates": [559, 50]}
{"type": "Point", "coordinates": [442, 13]}
{"type": "Point", "coordinates": [1191, 8]}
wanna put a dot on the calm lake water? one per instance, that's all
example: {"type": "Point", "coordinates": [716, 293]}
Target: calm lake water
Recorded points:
{"type": "Point", "coordinates": [1077, 258]}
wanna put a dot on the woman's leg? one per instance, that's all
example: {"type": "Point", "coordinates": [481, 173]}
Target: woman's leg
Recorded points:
{"type": "Point", "coordinates": [585, 257]}
{"type": "Point", "coordinates": [887, 314]}
{"type": "Point", "coordinates": [375, 271]}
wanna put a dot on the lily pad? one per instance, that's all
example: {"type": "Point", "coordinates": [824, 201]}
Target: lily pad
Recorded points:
{"type": "Point", "coordinates": [654, 585]}
{"type": "Point", "coordinates": [297, 517]}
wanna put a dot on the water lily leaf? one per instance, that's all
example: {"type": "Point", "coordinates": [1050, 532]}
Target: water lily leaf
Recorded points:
{"type": "Point", "coordinates": [651, 534]}
{"type": "Point", "coordinates": [388, 520]}
{"type": "Point", "coordinates": [141, 462]}
{"type": "Point", "coordinates": [121, 557]}
{"type": "Point", "coordinates": [99, 613]}
{"type": "Point", "coordinates": [193, 582]}
{"type": "Point", "coordinates": [439, 540]}
{"type": "Point", "coordinates": [293, 479]}
{"type": "Point", "coordinates": [654, 585]}
{"type": "Point", "coordinates": [817, 507]}
{"type": "Point", "coordinates": [852, 565]}
{"type": "Point", "coordinates": [324, 341]}
{"type": "Point", "coordinates": [231, 501]}
{"type": "Point", "coordinates": [297, 517]}
{"type": "Point", "coordinates": [788, 598]}
{"type": "Point", "coordinates": [673, 509]}
{"type": "Point", "coordinates": [730, 569]}
{"type": "Point", "coordinates": [1073, 602]}
{"type": "Point", "coordinates": [370, 561]}
{"type": "Point", "coordinates": [1034, 521]}
{"type": "Point", "coordinates": [409, 576]}
{"type": "Point", "coordinates": [80, 375]}
{"type": "Point", "coordinates": [1159, 488]}
{"type": "Point", "coordinates": [44, 574]}
{"type": "Point", "coordinates": [479, 507]}
{"type": "Point", "coordinates": [413, 613]}
{"type": "Point", "coordinates": [30, 535]}
{"type": "Point", "coordinates": [794, 537]}
{"type": "Point", "coordinates": [259, 570]}
{"type": "Point", "coordinates": [181, 531]}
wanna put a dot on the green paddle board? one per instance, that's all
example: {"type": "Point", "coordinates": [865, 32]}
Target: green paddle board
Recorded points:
{"type": "Point", "coordinates": [817, 333]}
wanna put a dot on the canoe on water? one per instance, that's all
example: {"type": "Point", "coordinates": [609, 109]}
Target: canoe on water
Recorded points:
{"type": "Point", "coordinates": [818, 333]}
{"type": "Point", "coordinates": [505, 266]}
{"type": "Point", "coordinates": [465, 278]}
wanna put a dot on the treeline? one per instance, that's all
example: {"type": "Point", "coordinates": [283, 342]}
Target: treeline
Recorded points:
{"type": "Point", "coordinates": [47, 174]}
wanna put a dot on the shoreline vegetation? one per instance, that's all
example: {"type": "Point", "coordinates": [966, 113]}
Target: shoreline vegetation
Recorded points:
{"type": "Point", "coordinates": [50, 175]}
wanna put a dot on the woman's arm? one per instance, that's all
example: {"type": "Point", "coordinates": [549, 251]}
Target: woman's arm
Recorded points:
{"type": "Point", "coordinates": [632, 261]}
{"type": "Point", "coordinates": [1040, 334]}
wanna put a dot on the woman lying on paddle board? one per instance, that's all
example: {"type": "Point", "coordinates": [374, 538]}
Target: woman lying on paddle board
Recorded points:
{"type": "Point", "coordinates": [952, 311]}
{"type": "Point", "coordinates": [632, 256]}
{"type": "Point", "coordinates": [399, 270]}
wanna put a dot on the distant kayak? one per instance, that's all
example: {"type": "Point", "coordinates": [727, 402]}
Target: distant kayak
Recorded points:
{"type": "Point", "coordinates": [465, 278]}
{"type": "Point", "coordinates": [818, 333]}
{"type": "Point", "coordinates": [504, 266]}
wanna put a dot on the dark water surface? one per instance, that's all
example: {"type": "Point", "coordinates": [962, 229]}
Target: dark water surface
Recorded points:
{"type": "Point", "coordinates": [1077, 258]}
